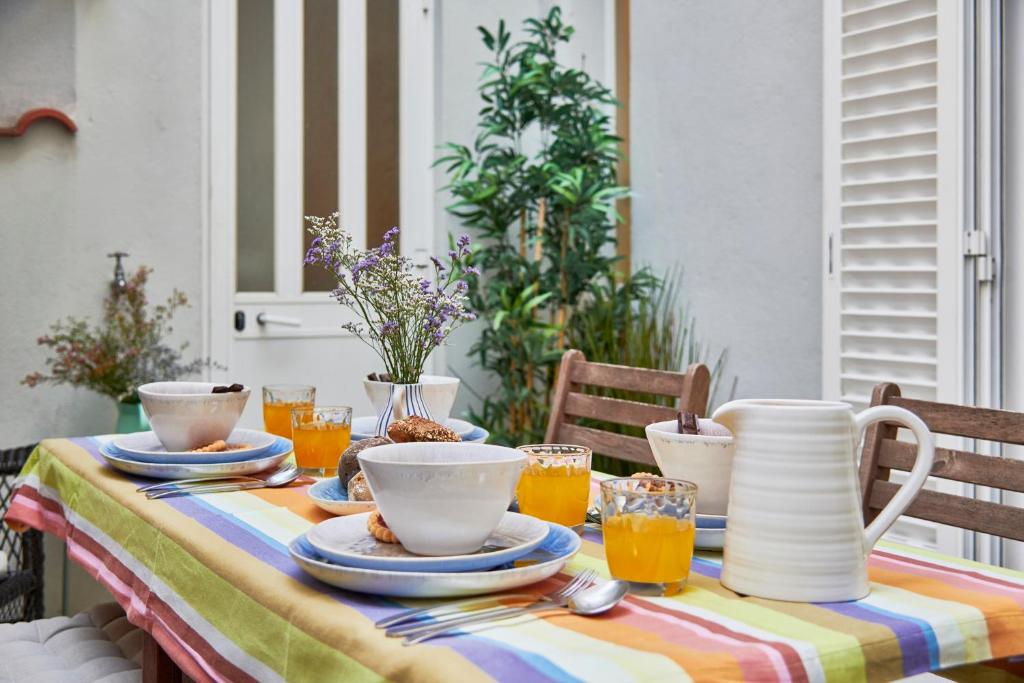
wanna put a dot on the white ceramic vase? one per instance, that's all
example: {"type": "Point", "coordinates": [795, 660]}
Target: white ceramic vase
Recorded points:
{"type": "Point", "coordinates": [431, 398]}
{"type": "Point", "coordinates": [796, 529]}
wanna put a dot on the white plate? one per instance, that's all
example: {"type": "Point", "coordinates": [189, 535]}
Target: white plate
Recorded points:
{"type": "Point", "coordinates": [546, 560]}
{"type": "Point", "coordinates": [273, 458]}
{"type": "Point", "coordinates": [710, 532]}
{"type": "Point", "coordinates": [329, 495]}
{"type": "Point", "coordinates": [346, 541]}
{"type": "Point", "coordinates": [146, 447]}
{"type": "Point", "coordinates": [364, 427]}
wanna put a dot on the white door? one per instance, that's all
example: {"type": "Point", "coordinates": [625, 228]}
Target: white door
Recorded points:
{"type": "Point", "coordinates": [299, 92]}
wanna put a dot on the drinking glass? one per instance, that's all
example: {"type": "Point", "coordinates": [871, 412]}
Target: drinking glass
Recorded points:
{"type": "Point", "coordinates": [649, 526]}
{"type": "Point", "coordinates": [320, 435]}
{"type": "Point", "coordinates": [278, 402]}
{"type": "Point", "coordinates": [555, 485]}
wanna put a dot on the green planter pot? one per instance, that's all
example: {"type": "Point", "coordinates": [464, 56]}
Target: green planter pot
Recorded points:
{"type": "Point", "coordinates": [131, 418]}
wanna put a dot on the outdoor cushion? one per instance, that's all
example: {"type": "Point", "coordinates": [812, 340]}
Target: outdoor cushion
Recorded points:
{"type": "Point", "coordinates": [97, 646]}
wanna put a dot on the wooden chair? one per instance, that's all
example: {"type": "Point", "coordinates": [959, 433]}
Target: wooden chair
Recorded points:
{"type": "Point", "coordinates": [570, 403]}
{"type": "Point", "coordinates": [883, 453]}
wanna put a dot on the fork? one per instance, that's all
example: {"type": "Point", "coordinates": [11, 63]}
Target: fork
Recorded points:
{"type": "Point", "coordinates": [456, 607]}
{"type": "Point", "coordinates": [559, 598]}
{"type": "Point", "coordinates": [197, 480]}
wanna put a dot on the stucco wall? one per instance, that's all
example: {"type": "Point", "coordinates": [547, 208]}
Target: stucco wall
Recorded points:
{"type": "Point", "coordinates": [130, 75]}
{"type": "Point", "coordinates": [726, 159]}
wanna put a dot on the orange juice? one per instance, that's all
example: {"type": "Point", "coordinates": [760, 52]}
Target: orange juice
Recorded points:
{"type": "Point", "coordinates": [319, 445]}
{"type": "Point", "coordinates": [648, 549]}
{"type": "Point", "coordinates": [277, 417]}
{"type": "Point", "coordinates": [559, 493]}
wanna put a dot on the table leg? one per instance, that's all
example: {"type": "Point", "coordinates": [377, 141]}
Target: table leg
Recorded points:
{"type": "Point", "coordinates": [157, 667]}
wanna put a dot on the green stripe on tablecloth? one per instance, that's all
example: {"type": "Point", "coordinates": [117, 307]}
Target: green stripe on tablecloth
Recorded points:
{"type": "Point", "coordinates": [291, 653]}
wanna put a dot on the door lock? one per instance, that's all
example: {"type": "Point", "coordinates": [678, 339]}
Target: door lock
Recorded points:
{"type": "Point", "coordinates": [239, 321]}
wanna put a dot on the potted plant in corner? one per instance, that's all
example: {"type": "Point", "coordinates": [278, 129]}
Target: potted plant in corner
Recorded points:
{"type": "Point", "coordinates": [403, 317]}
{"type": "Point", "coordinates": [127, 349]}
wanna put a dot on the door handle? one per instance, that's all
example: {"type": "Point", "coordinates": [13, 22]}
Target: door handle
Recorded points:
{"type": "Point", "coordinates": [269, 319]}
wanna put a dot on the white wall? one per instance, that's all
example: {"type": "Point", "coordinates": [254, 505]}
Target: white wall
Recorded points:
{"type": "Point", "coordinates": [130, 75]}
{"type": "Point", "coordinates": [726, 162]}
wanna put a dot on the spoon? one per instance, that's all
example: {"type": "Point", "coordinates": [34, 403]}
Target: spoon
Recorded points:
{"type": "Point", "coordinates": [587, 603]}
{"type": "Point", "coordinates": [281, 477]}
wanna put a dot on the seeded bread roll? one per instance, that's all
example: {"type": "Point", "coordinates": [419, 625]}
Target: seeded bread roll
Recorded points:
{"type": "Point", "coordinates": [348, 465]}
{"type": "Point", "coordinates": [417, 429]}
{"type": "Point", "coordinates": [358, 489]}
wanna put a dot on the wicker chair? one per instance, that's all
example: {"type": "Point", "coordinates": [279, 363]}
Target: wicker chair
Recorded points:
{"type": "Point", "coordinates": [21, 583]}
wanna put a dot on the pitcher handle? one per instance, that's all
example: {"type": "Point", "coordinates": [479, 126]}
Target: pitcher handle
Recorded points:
{"type": "Point", "coordinates": [918, 475]}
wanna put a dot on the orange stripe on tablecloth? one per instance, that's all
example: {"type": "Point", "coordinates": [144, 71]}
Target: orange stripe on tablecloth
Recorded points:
{"type": "Point", "coordinates": [961, 577]}
{"type": "Point", "coordinates": [295, 499]}
{"type": "Point", "coordinates": [1002, 614]}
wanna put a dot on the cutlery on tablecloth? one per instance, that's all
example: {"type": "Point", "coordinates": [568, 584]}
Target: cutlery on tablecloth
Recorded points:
{"type": "Point", "coordinates": [589, 602]}
{"type": "Point", "coordinates": [561, 597]}
{"type": "Point", "coordinates": [281, 477]}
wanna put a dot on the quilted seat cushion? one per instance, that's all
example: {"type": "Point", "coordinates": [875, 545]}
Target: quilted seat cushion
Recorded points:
{"type": "Point", "coordinates": [98, 646]}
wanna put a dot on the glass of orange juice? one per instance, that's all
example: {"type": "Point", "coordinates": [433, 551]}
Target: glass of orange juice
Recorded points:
{"type": "Point", "coordinates": [279, 400]}
{"type": "Point", "coordinates": [555, 485]}
{"type": "Point", "coordinates": [320, 435]}
{"type": "Point", "coordinates": [649, 526]}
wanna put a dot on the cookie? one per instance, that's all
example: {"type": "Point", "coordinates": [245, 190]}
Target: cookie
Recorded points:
{"type": "Point", "coordinates": [379, 528]}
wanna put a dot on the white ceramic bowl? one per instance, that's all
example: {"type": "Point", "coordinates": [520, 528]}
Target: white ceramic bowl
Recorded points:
{"type": "Point", "coordinates": [704, 459]}
{"type": "Point", "coordinates": [186, 415]}
{"type": "Point", "coordinates": [438, 392]}
{"type": "Point", "coordinates": [442, 498]}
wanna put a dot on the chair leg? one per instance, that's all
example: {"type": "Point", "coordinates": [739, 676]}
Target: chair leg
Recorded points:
{"type": "Point", "coordinates": [157, 667]}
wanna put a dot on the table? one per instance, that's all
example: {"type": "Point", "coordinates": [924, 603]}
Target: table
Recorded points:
{"type": "Point", "coordinates": [210, 579]}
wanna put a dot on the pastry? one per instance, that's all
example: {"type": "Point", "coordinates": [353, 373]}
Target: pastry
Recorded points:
{"type": "Point", "coordinates": [376, 525]}
{"type": "Point", "coordinates": [416, 428]}
{"type": "Point", "coordinates": [359, 489]}
{"type": "Point", "coordinates": [348, 465]}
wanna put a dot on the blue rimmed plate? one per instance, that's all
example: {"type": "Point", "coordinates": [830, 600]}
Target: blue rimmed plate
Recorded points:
{"type": "Point", "coordinates": [346, 541]}
{"type": "Point", "coordinates": [272, 458]}
{"type": "Point", "coordinates": [330, 496]}
{"type": "Point", "coordinates": [363, 428]}
{"type": "Point", "coordinates": [146, 447]}
{"type": "Point", "coordinates": [544, 561]}
{"type": "Point", "coordinates": [710, 532]}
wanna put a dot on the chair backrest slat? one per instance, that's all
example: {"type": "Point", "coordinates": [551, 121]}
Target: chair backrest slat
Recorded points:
{"type": "Point", "coordinates": [883, 453]}
{"type": "Point", "coordinates": [617, 410]}
{"type": "Point", "coordinates": [973, 423]}
{"type": "Point", "coordinates": [571, 403]}
{"type": "Point", "coordinates": [619, 446]}
{"type": "Point", "coordinates": [958, 511]}
{"type": "Point", "coordinates": [970, 468]}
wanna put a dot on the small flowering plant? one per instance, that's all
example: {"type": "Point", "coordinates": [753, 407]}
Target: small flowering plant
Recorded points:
{"type": "Point", "coordinates": [403, 317]}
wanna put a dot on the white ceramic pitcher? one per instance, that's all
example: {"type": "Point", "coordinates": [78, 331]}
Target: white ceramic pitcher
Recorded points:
{"type": "Point", "coordinates": [795, 529]}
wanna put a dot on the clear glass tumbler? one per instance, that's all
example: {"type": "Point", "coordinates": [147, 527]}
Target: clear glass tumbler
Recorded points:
{"type": "Point", "coordinates": [320, 435]}
{"type": "Point", "coordinates": [555, 485]}
{"type": "Point", "coordinates": [278, 402]}
{"type": "Point", "coordinates": [649, 526]}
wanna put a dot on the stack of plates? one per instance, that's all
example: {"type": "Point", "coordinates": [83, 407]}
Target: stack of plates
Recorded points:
{"type": "Point", "coordinates": [710, 532]}
{"type": "Point", "coordinates": [142, 454]}
{"type": "Point", "coordinates": [363, 428]}
{"type": "Point", "coordinates": [522, 550]}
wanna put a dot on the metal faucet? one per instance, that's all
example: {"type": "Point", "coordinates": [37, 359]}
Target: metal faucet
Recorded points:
{"type": "Point", "coordinates": [120, 282]}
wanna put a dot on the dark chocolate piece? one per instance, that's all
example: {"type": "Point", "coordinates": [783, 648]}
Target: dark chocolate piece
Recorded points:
{"type": "Point", "coordinates": [224, 389]}
{"type": "Point", "coordinates": [381, 377]}
{"type": "Point", "coordinates": [687, 423]}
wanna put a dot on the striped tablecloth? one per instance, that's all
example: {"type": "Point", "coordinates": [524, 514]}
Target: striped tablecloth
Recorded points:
{"type": "Point", "coordinates": [211, 579]}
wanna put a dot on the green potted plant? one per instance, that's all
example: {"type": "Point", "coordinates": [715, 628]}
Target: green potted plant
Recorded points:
{"type": "Point", "coordinates": [127, 349]}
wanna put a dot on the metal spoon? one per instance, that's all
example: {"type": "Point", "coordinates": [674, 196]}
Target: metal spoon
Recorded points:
{"type": "Point", "coordinates": [281, 477]}
{"type": "Point", "coordinates": [590, 602]}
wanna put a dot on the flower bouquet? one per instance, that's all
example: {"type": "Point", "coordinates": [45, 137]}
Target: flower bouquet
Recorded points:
{"type": "Point", "coordinates": [403, 317]}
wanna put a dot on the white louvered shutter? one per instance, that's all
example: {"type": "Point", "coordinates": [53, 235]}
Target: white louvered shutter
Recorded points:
{"type": "Point", "coordinates": [892, 204]}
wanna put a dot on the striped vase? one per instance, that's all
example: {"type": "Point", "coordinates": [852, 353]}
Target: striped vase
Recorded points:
{"type": "Point", "coordinates": [403, 400]}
